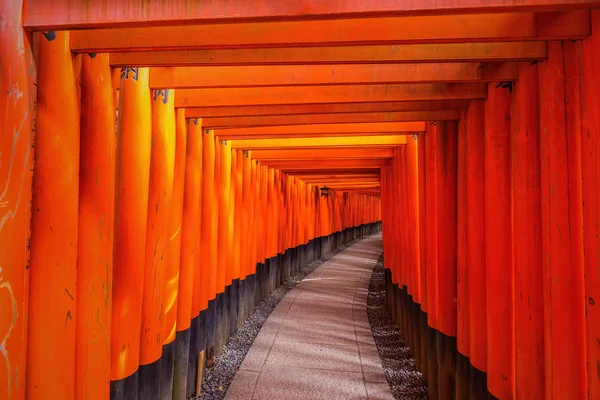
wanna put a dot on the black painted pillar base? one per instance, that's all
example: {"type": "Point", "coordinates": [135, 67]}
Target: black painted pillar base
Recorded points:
{"type": "Point", "coordinates": [392, 301]}
{"type": "Point", "coordinates": [478, 384]}
{"type": "Point", "coordinates": [125, 389]}
{"type": "Point", "coordinates": [257, 276]}
{"type": "Point", "coordinates": [180, 372]}
{"type": "Point", "coordinates": [210, 329]}
{"type": "Point", "coordinates": [463, 385]}
{"type": "Point", "coordinates": [192, 372]}
{"type": "Point", "coordinates": [226, 313]}
{"type": "Point", "coordinates": [408, 302]}
{"type": "Point", "coordinates": [446, 348]}
{"type": "Point", "coordinates": [416, 329]}
{"type": "Point", "coordinates": [218, 324]}
{"type": "Point", "coordinates": [242, 303]}
{"type": "Point", "coordinates": [272, 275]}
{"type": "Point", "coordinates": [149, 381]}
{"type": "Point", "coordinates": [250, 279]}
{"type": "Point", "coordinates": [424, 328]}
{"type": "Point", "coordinates": [166, 371]}
{"type": "Point", "coordinates": [432, 381]}
{"type": "Point", "coordinates": [234, 307]}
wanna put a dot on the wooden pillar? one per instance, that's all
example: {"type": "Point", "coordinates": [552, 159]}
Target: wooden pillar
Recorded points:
{"type": "Point", "coordinates": [173, 258]}
{"type": "Point", "coordinates": [421, 158]}
{"type": "Point", "coordinates": [210, 210]}
{"type": "Point", "coordinates": [224, 186]}
{"type": "Point", "coordinates": [498, 244]}
{"type": "Point", "coordinates": [17, 78]}
{"type": "Point", "coordinates": [413, 214]}
{"type": "Point", "coordinates": [462, 273]}
{"type": "Point", "coordinates": [95, 230]}
{"type": "Point", "coordinates": [446, 164]}
{"type": "Point", "coordinates": [527, 217]}
{"type": "Point", "coordinates": [162, 164]}
{"type": "Point", "coordinates": [590, 146]}
{"type": "Point", "coordinates": [189, 252]}
{"type": "Point", "coordinates": [475, 235]}
{"type": "Point", "coordinates": [562, 225]}
{"type": "Point", "coordinates": [134, 136]}
{"type": "Point", "coordinates": [53, 262]}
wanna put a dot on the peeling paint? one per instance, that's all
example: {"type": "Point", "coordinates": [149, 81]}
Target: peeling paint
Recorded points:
{"type": "Point", "coordinates": [3, 351]}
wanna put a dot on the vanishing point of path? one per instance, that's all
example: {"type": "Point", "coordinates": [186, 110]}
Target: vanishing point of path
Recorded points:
{"type": "Point", "coordinates": [317, 343]}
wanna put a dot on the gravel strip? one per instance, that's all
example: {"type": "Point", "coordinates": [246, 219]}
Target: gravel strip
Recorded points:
{"type": "Point", "coordinates": [218, 378]}
{"type": "Point", "coordinates": [399, 367]}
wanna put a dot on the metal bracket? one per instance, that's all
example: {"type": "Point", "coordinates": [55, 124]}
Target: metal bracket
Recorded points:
{"type": "Point", "coordinates": [50, 35]}
{"type": "Point", "coordinates": [126, 70]}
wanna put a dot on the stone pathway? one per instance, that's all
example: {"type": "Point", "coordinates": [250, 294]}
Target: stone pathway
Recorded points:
{"type": "Point", "coordinates": [317, 343]}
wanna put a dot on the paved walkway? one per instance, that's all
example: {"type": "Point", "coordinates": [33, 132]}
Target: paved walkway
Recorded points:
{"type": "Point", "coordinates": [317, 343]}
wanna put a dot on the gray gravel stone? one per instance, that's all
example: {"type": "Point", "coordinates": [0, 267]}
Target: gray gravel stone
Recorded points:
{"type": "Point", "coordinates": [399, 367]}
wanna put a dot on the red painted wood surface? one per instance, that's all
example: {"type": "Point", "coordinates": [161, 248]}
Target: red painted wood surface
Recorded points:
{"type": "Point", "coordinates": [498, 246]}
{"type": "Point", "coordinates": [527, 239]}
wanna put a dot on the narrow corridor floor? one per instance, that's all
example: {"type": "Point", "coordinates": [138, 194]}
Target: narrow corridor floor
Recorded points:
{"type": "Point", "coordinates": [317, 343]}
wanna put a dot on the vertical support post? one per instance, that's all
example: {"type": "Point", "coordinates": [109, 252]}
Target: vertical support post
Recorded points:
{"type": "Point", "coordinates": [53, 289]}
{"type": "Point", "coordinates": [475, 246]}
{"type": "Point", "coordinates": [17, 111]}
{"type": "Point", "coordinates": [432, 257]}
{"type": "Point", "coordinates": [590, 146]}
{"type": "Point", "coordinates": [173, 259]}
{"type": "Point", "coordinates": [134, 137]}
{"type": "Point", "coordinates": [95, 233]}
{"type": "Point", "coordinates": [498, 244]}
{"type": "Point", "coordinates": [527, 222]}
{"type": "Point", "coordinates": [189, 249]}
{"type": "Point", "coordinates": [162, 164]}
{"type": "Point", "coordinates": [562, 225]}
{"type": "Point", "coordinates": [462, 274]}
{"type": "Point", "coordinates": [446, 164]}
{"type": "Point", "coordinates": [195, 129]}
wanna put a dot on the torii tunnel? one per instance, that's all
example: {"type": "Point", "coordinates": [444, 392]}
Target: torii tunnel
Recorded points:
{"type": "Point", "coordinates": [166, 164]}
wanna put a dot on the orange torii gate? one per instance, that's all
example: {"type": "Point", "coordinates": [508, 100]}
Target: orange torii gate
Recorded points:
{"type": "Point", "coordinates": [468, 127]}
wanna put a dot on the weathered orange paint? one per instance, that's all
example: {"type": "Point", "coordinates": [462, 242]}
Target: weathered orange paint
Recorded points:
{"type": "Point", "coordinates": [326, 108]}
{"type": "Point", "coordinates": [53, 259]}
{"type": "Point", "coordinates": [113, 13]}
{"type": "Point", "coordinates": [496, 27]}
{"type": "Point", "coordinates": [190, 225]}
{"type": "Point", "coordinates": [17, 112]}
{"type": "Point", "coordinates": [95, 230]}
{"type": "Point", "coordinates": [160, 193]}
{"type": "Point", "coordinates": [210, 210]}
{"type": "Point", "coordinates": [562, 225]}
{"type": "Point", "coordinates": [498, 245]}
{"type": "Point", "coordinates": [328, 94]}
{"type": "Point", "coordinates": [337, 74]}
{"type": "Point", "coordinates": [246, 213]}
{"type": "Point", "coordinates": [173, 251]}
{"type": "Point", "coordinates": [233, 267]}
{"type": "Point", "coordinates": [198, 292]}
{"type": "Point", "coordinates": [224, 269]}
{"type": "Point", "coordinates": [134, 137]}
{"type": "Point", "coordinates": [237, 180]}
{"type": "Point", "coordinates": [402, 53]}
